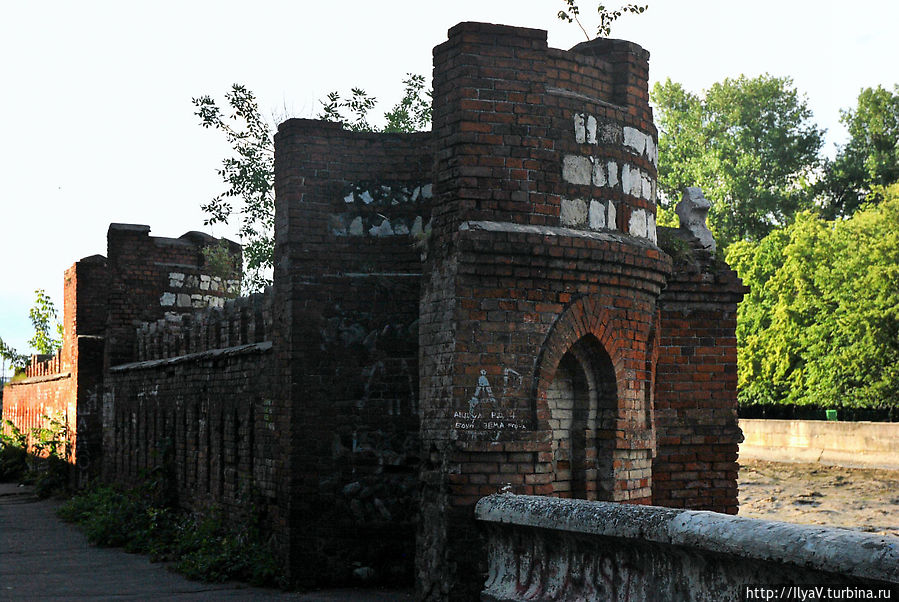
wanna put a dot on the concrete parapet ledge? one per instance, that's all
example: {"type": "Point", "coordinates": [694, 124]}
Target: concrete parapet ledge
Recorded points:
{"type": "Point", "coordinates": [851, 444]}
{"type": "Point", "coordinates": [839, 551]}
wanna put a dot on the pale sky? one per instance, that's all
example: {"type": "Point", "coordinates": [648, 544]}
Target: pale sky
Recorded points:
{"type": "Point", "coordinates": [98, 124]}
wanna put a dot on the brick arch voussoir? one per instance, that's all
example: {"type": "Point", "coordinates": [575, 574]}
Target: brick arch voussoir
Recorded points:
{"type": "Point", "coordinates": [586, 316]}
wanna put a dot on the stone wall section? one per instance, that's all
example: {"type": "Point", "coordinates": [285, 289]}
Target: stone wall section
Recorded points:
{"type": "Point", "coordinates": [552, 549]}
{"type": "Point", "coordinates": [231, 323]}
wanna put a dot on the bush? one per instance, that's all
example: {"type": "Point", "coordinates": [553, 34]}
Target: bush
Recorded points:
{"type": "Point", "coordinates": [13, 453]}
{"type": "Point", "coordinates": [201, 546]}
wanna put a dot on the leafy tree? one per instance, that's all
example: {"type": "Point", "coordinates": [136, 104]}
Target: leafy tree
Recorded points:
{"type": "Point", "coordinates": [870, 158]}
{"type": "Point", "coordinates": [821, 324]}
{"type": "Point", "coordinates": [411, 114]}
{"type": "Point", "coordinates": [42, 314]}
{"type": "Point", "coordinates": [249, 173]}
{"type": "Point", "coordinates": [606, 16]}
{"type": "Point", "coordinates": [17, 360]}
{"type": "Point", "coordinates": [749, 143]}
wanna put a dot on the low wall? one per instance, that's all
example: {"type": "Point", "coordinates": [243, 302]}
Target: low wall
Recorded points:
{"type": "Point", "coordinates": [27, 401]}
{"type": "Point", "coordinates": [543, 548]}
{"type": "Point", "coordinates": [204, 419]}
{"type": "Point", "coordinates": [863, 444]}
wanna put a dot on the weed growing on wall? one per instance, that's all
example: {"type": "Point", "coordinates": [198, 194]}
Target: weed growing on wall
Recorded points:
{"type": "Point", "coordinates": [50, 450]}
{"type": "Point", "coordinates": [43, 463]}
{"type": "Point", "coordinates": [201, 546]}
{"type": "Point", "coordinates": [13, 453]}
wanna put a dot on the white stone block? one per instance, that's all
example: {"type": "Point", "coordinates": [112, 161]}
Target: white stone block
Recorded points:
{"type": "Point", "coordinates": [626, 178]}
{"type": "Point", "coordinates": [580, 128]}
{"type": "Point", "coordinates": [183, 300]}
{"type": "Point", "coordinates": [416, 227]}
{"type": "Point", "coordinates": [348, 198]}
{"type": "Point", "coordinates": [634, 140]}
{"type": "Point", "coordinates": [427, 191]}
{"type": "Point", "coordinates": [612, 173]}
{"type": "Point", "coordinates": [591, 129]}
{"type": "Point", "coordinates": [573, 212]}
{"type": "Point", "coordinates": [176, 279]}
{"type": "Point", "coordinates": [637, 225]}
{"type": "Point", "coordinates": [577, 169]}
{"type": "Point", "coordinates": [599, 174]}
{"type": "Point", "coordinates": [356, 226]}
{"type": "Point", "coordinates": [167, 299]}
{"type": "Point", "coordinates": [651, 232]}
{"type": "Point", "coordinates": [366, 197]}
{"type": "Point", "coordinates": [646, 186]}
{"type": "Point", "coordinates": [652, 152]}
{"type": "Point", "coordinates": [597, 218]}
{"type": "Point", "coordinates": [382, 230]}
{"type": "Point", "coordinates": [611, 216]}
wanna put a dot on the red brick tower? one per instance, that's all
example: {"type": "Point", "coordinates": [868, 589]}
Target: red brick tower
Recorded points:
{"type": "Point", "coordinates": [539, 297]}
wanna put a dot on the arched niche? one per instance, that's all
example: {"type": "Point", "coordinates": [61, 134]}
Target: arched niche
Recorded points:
{"type": "Point", "coordinates": [582, 400]}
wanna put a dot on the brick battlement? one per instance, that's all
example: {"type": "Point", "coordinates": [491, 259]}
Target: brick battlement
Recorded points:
{"type": "Point", "coordinates": [44, 365]}
{"type": "Point", "coordinates": [239, 321]}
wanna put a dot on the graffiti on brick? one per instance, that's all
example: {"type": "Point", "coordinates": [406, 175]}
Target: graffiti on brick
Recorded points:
{"type": "Point", "coordinates": [493, 416]}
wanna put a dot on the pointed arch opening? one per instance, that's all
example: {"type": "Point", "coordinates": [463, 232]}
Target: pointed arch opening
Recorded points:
{"type": "Point", "coordinates": [583, 404]}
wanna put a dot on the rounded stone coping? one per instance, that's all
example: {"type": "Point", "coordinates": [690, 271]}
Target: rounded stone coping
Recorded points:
{"type": "Point", "coordinates": [828, 549]}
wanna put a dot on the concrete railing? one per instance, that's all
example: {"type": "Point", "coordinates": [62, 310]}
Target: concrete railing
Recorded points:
{"type": "Point", "coordinates": [865, 444]}
{"type": "Point", "coordinates": [543, 548]}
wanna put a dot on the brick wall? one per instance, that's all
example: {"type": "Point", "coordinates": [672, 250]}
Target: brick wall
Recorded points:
{"type": "Point", "coordinates": [202, 422]}
{"type": "Point", "coordinates": [696, 391]}
{"type": "Point", "coordinates": [351, 211]}
{"type": "Point", "coordinates": [149, 276]}
{"type": "Point", "coordinates": [53, 385]}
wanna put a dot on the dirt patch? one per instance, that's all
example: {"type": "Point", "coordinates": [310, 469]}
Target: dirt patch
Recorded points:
{"type": "Point", "coordinates": [863, 499]}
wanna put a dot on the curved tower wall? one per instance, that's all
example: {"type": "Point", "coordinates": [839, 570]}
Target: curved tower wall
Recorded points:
{"type": "Point", "coordinates": [543, 249]}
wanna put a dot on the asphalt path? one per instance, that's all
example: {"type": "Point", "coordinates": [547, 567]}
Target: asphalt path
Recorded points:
{"type": "Point", "coordinates": [43, 558]}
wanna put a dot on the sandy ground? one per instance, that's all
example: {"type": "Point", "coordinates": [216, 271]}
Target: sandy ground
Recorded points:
{"type": "Point", "coordinates": [864, 499]}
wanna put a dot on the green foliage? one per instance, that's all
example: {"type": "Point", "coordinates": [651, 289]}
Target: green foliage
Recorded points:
{"type": "Point", "coordinates": [411, 114]}
{"type": "Point", "coordinates": [201, 546]}
{"type": "Point", "coordinates": [43, 463]}
{"type": "Point", "coordinates": [17, 360]}
{"type": "Point", "coordinates": [249, 175]}
{"type": "Point", "coordinates": [13, 453]}
{"type": "Point", "coordinates": [870, 158]}
{"type": "Point", "coordinates": [749, 143]}
{"type": "Point", "coordinates": [42, 315]}
{"type": "Point", "coordinates": [50, 450]}
{"type": "Point", "coordinates": [606, 17]}
{"type": "Point", "coordinates": [220, 263]}
{"type": "Point", "coordinates": [821, 324]}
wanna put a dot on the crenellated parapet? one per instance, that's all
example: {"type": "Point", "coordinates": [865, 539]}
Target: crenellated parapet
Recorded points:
{"type": "Point", "coordinates": [235, 322]}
